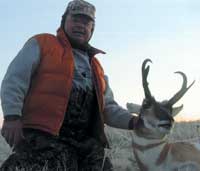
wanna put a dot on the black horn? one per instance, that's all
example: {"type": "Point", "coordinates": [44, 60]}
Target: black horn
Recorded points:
{"type": "Point", "coordinates": [145, 71]}
{"type": "Point", "coordinates": [182, 91]}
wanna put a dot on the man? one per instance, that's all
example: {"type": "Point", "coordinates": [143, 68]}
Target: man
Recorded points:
{"type": "Point", "coordinates": [56, 99]}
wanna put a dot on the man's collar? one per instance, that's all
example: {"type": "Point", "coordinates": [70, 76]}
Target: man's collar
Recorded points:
{"type": "Point", "coordinates": [92, 51]}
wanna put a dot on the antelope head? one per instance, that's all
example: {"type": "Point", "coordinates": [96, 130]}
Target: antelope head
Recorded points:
{"type": "Point", "coordinates": [156, 118]}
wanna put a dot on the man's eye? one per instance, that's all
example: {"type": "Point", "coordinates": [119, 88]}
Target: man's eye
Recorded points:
{"type": "Point", "coordinates": [86, 23]}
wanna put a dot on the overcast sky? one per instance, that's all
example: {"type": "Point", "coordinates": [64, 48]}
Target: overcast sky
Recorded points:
{"type": "Point", "coordinates": [166, 31]}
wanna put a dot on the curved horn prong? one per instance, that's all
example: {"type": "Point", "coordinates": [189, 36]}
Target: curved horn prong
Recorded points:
{"type": "Point", "coordinates": [176, 110]}
{"type": "Point", "coordinates": [182, 91]}
{"type": "Point", "coordinates": [145, 71]}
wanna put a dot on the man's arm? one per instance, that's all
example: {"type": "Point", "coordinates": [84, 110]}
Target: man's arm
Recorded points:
{"type": "Point", "coordinates": [17, 79]}
{"type": "Point", "coordinates": [115, 115]}
{"type": "Point", "coordinates": [14, 88]}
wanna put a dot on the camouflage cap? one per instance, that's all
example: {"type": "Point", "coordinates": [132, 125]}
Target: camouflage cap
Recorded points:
{"type": "Point", "coordinates": [81, 7]}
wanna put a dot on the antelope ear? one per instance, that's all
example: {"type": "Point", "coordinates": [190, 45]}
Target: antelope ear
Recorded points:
{"type": "Point", "coordinates": [133, 108]}
{"type": "Point", "coordinates": [176, 110]}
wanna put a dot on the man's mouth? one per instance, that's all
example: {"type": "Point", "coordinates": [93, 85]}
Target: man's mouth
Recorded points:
{"type": "Point", "coordinates": [78, 32]}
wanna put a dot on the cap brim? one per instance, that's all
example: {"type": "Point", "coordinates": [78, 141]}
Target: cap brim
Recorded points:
{"type": "Point", "coordinates": [82, 13]}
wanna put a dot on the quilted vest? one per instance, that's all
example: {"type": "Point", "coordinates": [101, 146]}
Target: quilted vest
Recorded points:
{"type": "Point", "coordinates": [47, 99]}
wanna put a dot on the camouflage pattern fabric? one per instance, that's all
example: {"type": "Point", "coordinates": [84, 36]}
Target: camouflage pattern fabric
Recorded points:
{"type": "Point", "coordinates": [43, 152]}
{"type": "Point", "coordinates": [73, 150]}
{"type": "Point", "coordinates": [77, 117]}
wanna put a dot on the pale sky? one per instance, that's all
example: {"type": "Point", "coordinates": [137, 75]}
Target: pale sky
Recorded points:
{"type": "Point", "coordinates": [167, 31]}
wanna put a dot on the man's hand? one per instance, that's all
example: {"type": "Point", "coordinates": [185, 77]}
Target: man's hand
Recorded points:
{"type": "Point", "coordinates": [12, 131]}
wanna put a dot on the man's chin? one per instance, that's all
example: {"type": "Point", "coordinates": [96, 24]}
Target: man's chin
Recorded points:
{"type": "Point", "coordinates": [78, 41]}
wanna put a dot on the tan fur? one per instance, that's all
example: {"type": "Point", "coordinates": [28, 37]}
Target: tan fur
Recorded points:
{"type": "Point", "coordinates": [140, 163]}
{"type": "Point", "coordinates": [176, 156]}
{"type": "Point", "coordinates": [182, 151]}
{"type": "Point", "coordinates": [163, 154]}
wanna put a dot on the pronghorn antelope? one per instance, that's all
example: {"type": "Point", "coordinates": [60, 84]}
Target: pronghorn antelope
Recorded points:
{"type": "Point", "coordinates": [151, 148]}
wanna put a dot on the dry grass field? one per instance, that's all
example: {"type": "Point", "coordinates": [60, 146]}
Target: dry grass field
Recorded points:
{"type": "Point", "coordinates": [120, 141]}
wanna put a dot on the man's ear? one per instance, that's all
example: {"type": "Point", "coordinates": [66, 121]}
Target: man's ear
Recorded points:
{"type": "Point", "coordinates": [133, 108]}
{"type": "Point", "coordinates": [147, 103]}
{"type": "Point", "coordinates": [92, 31]}
{"type": "Point", "coordinates": [176, 110]}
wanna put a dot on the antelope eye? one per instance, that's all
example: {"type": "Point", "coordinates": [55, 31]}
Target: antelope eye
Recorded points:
{"type": "Point", "coordinates": [146, 106]}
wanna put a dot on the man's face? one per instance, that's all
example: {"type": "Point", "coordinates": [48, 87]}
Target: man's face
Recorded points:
{"type": "Point", "coordinates": [79, 28]}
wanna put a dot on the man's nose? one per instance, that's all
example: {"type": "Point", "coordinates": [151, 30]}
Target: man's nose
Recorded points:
{"type": "Point", "coordinates": [80, 24]}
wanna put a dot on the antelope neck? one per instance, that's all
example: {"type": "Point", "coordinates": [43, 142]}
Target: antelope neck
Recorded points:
{"type": "Point", "coordinates": [142, 143]}
{"type": "Point", "coordinates": [146, 147]}
{"type": "Point", "coordinates": [145, 160]}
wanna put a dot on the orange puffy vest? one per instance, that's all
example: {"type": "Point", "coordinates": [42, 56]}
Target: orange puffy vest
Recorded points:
{"type": "Point", "coordinates": [46, 102]}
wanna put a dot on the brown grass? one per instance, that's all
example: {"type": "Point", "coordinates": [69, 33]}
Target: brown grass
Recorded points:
{"type": "Point", "coordinates": [120, 141]}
